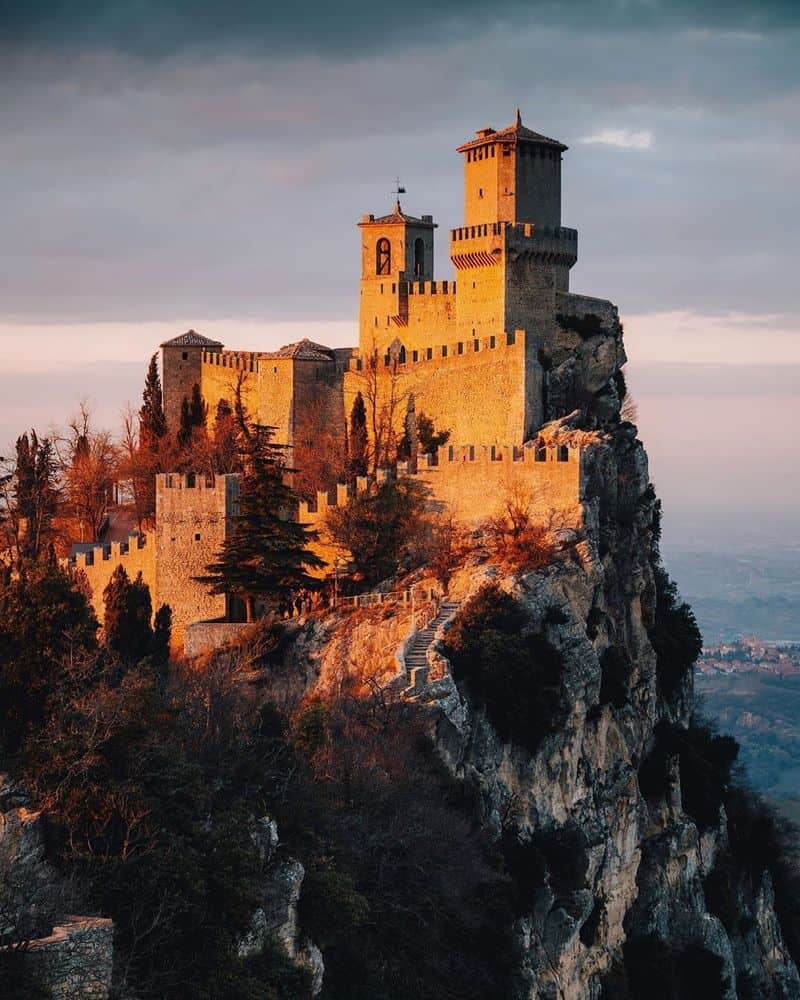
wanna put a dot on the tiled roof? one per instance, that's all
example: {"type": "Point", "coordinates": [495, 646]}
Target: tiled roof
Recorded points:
{"type": "Point", "coordinates": [191, 339]}
{"type": "Point", "coordinates": [398, 216]}
{"type": "Point", "coordinates": [513, 132]}
{"type": "Point", "coordinates": [305, 350]}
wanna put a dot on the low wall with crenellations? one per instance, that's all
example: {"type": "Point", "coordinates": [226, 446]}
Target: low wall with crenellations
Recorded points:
{"type": "Point", "coordinates": [474, 387]}
{"type": "Point", "coordinates": [473, 482]}
{"type": "Point", "coordinates": [137, 555]}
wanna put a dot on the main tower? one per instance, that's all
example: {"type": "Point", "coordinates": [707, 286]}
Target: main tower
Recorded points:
{"type": "Point", "coordinates": [512, 254]}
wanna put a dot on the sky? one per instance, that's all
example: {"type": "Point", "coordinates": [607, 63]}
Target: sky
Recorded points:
{"type": "Point", "coordinates": [195, 164]}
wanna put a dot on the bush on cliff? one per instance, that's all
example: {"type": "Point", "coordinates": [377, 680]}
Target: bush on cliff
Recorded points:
{"type": "Point", "coordinates": [653, 969]}
{"type": "Point", "coordinates": [377, 527]}
{"type": "Point", "coordinates": [514, 672]}
{"type": "Point", "coordinates": [706, 760]}
{"type": "Point", "coordinates": [586, 326]}
{"type": "Point", "coordinates": [401, 892]}
{"type": "Point", "coordinates": [675, 635]}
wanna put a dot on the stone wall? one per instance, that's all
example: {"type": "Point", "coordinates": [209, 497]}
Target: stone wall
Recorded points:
{"type": "Point", "coordinates": [472, 482]}
{"type": "Point", "coordinates": [137, 555]}
{"type": "Point", "coordinates": [75, 962]}
{"type": "Point", "coordinates": [478, 395]}
{"type": "Point", "coordinates": [220, 372]}
{"type": "Point", "coordinates": [192, 516]}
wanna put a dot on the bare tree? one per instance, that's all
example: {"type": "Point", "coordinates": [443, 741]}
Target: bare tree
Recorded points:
{"type": "Point", "coordinates": [385, 398]}
{"type": "Point", "coordinates": [89, 462]}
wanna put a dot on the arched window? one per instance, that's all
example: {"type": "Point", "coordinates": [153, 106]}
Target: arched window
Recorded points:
{"type": "Point", "coordinates": [419, 258]}
{"type": "Point", "coordinates": [383, 256]}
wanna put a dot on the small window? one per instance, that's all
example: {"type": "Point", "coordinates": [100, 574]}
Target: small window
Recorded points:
{"type": "Point", "coordinates": [563, 453]}
{"type": "Point", "coordinates": [460, 347]}
{"type": "Point", "coordinates": [275, 370]}
{"type": "Point", "coordinates": [476, 344]}
{"type": "Point", "coordinates": [429, 353]}
{"type": "Point", "coordinates": [492, 341]}
{"type": "Point", "coordinates": [383, 257]}
{"type": "Point", "coordinates": [415, 355]}
{"type": "Point", "coordinates": [444, 350]}
{"type": "Point", "coordinates": [185, 355]}
{"type": "Point", "coordinates": [197, 537]}
{"type": "Point", "coordinates": [541, 453]}
{"type": "Point", "coordinates": [480, 192]}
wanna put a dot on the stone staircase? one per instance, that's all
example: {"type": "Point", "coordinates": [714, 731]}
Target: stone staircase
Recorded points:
{"type": "Point", "coordinates": [416, 657]}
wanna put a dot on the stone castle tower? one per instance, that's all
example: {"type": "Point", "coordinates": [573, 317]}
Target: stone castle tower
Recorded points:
{"type": "Point", "coordinates": [472, 352]}
{"type": "Point", "coordinates": [489, 357]}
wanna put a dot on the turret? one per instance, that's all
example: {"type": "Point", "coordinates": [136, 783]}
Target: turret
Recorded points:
{"type": "Point", "coordinates": [181, 370]}
{"type": "Point", "coordinates": [513, 175]}
{"type": "Point", "coordinates": [395, 249]}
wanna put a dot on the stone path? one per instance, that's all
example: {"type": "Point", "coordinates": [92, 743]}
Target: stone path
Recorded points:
{"type": "Point", "coordinates": [416, 657]}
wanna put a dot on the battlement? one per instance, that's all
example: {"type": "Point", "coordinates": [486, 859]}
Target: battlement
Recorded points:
{"type": "Point", "coordinates": [240, 360]}
{"type": "Point", "coordinates": [191, 481]}
{"type": "Point", "coordinates": [485, 245]}
{"type": "Point", "coordinates": [522, 228]}
{"type": "Point", "coordinates": [472, 480]}
{"type": "Point", "coordinates": [428, 287]}
{"type": "Point", "coordinates": [489, 454]}
{"type": "Point", "coordinates": [109, 552]}
{"type": "Point", "coordinates": [454, 353]}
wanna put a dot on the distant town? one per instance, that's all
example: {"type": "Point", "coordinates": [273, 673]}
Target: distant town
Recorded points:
{"type": "Point", "coordinates": [749, 653]}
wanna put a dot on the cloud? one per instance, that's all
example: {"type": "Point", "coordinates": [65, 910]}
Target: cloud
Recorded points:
{"type": "Point", "coordinates": [154, 29]}
{"type": "Point", "coordinates": [624, 138]}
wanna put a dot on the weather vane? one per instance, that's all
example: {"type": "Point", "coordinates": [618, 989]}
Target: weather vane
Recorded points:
{"type": "Point", "coordinates": [399, 189]}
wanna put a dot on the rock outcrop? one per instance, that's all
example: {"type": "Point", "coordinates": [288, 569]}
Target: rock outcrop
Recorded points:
{"type": "Point", "coordinates": [642, 863]}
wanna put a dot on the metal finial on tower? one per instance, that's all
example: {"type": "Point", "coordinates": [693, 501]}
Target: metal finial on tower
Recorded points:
{"type": "Point", "coordinates": [519, 119]}
{"type": "Point", "coordinates": [398, 190]}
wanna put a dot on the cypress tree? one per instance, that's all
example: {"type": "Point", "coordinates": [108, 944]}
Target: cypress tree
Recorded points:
{"type": "Point", "coordinates": [128, 610]}
{"type": "Point", "coordinates": [193, 417]}
{"type": "Point", "coordinates": [357, 463]}
{"type": "Point", "coordinates": [265, 555]}
{"type": "Point", "coordinates": [36, 495]}
{"type": "Point", "coordinates": [152, 421]}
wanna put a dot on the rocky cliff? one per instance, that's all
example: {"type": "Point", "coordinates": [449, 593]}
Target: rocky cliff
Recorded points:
{"type": "Point", "coordinates": [629, 877]}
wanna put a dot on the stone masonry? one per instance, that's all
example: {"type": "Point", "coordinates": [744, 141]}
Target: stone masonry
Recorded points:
{"type": "Point", "coordinates": [485, 356]}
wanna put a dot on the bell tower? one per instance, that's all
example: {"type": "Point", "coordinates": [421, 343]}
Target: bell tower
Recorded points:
{"type": "Point", "coordinates": [395, 250]}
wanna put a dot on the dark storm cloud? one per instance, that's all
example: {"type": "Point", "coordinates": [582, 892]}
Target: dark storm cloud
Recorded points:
{"type": "Point", "coordinates": [150, 28]}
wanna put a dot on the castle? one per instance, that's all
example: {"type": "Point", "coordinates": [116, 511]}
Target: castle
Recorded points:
{"type": "Point", "coordinates": [476, 354]}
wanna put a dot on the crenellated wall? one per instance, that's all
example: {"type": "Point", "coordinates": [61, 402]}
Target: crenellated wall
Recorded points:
{"type": "Point", "coordinates": [473, 482]}
{"type": "Point", "coordinates": [137, 555]}
{"type": "Point", "coordinates": [192, 518]}
{"type": "Point", "coordinates": [481, 388]}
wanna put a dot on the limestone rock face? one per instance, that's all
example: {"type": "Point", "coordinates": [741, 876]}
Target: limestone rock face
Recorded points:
{"type": "Point", "coordinates": [585, 358]}
{"type": "Point", "coordinates": [645, 864]}
{"type": "Point", "coordinates": [276, 917]}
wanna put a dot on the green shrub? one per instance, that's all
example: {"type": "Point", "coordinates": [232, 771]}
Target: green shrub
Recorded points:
{"type": "Point", "coordinates": [675, 635]}
{"type": "Point", "coordinates": [515, 674]}
{"type": "Point", "coordinates": [762, 840]}
{"type": "Point", "coordinates": [586, 326]}
{"type": "Point", "coordinates": [16, 981]}
{"type": "Point", "coordinates": [654, 970]}
{"type": "Point", "coordinates": [615, 678]}
{"type": "Point", "coordinates": [706, 760]}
